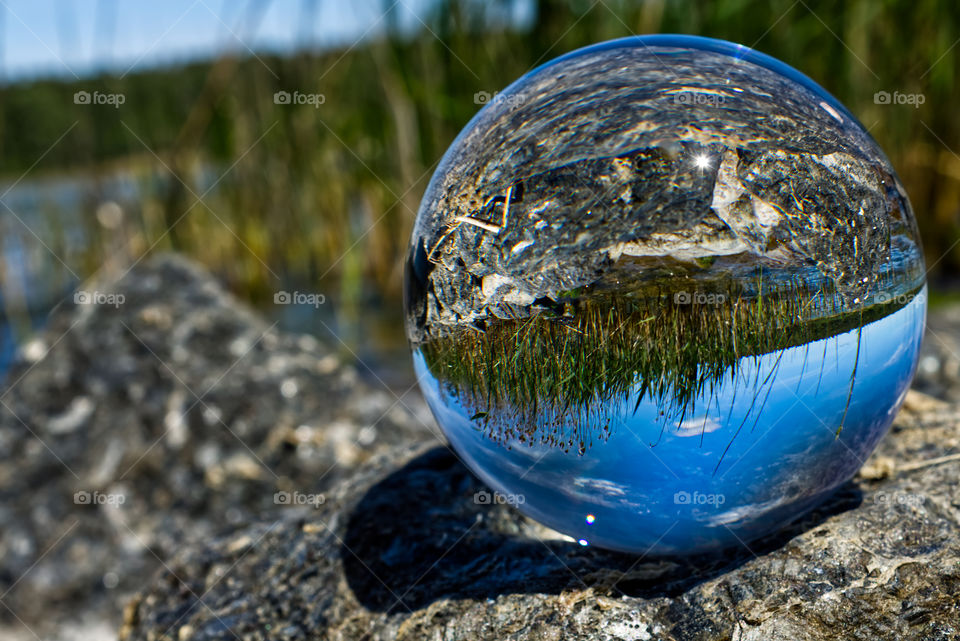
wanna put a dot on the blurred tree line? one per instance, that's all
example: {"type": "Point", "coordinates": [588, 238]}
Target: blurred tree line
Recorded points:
{"type": "Point", "coordinates": [328, 192]}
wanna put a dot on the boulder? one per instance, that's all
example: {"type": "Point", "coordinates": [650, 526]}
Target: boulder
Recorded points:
{"type": "Point", "coordinates": [155, 414]}
{"type": "Point", "coordinates": [165, 448]}
{"type": "Point", "coordinates": [403, 550]}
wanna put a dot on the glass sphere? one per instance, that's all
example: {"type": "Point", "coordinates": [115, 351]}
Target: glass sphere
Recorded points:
{"type": "Point", "coordinates": [664, 294]}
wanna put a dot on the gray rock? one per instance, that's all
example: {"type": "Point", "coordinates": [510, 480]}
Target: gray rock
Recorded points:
{"type": "Point", "coordinates": [938, 373]}
{"type": "Point", "coordinates": [403, 551]}
{"type": "Point", "coordinates": [129, 430]}
{"type": "Point", "coordinates": [103, 402]}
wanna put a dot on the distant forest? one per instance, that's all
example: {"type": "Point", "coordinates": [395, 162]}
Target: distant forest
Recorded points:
{"type": "Point", "coordinates": [328, 189]}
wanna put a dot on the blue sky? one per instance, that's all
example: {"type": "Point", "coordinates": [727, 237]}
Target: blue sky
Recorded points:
{"type": "Point", "coordinates": [77, 37]}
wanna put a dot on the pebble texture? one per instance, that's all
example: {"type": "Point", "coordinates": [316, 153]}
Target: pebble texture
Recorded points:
{"type": "Point", "coordinates": [403, 551]}
{"type": "Point", "coordinates": [176, 414]}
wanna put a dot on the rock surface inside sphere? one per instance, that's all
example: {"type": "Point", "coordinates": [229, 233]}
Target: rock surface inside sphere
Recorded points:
{"type": "Point", "coordinates": [664, 294]}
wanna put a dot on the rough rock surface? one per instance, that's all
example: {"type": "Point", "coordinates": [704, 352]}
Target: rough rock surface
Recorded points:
{"type": "Point", "coordinates": [399, 548]}
{"type": "Point", "coordinates": [175, 413]}
{"type": "Point", "coordinates": [938, 373]}
{"type": "Point", "coordinates": [403, 551]}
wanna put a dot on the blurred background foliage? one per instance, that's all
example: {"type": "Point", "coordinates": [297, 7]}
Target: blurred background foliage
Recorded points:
{"type": "Point", "coordinates": [200, 159]}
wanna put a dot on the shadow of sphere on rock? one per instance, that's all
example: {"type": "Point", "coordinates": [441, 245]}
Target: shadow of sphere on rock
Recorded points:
{"type": "Point", "coordinates": [418, 536]}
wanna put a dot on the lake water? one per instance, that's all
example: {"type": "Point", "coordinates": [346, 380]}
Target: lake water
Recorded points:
{"type": "Point", "coordinates": [50, 225]}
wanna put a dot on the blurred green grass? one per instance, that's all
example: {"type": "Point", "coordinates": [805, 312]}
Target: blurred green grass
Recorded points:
{"type": "Point", "coordinates": [326, 196]}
